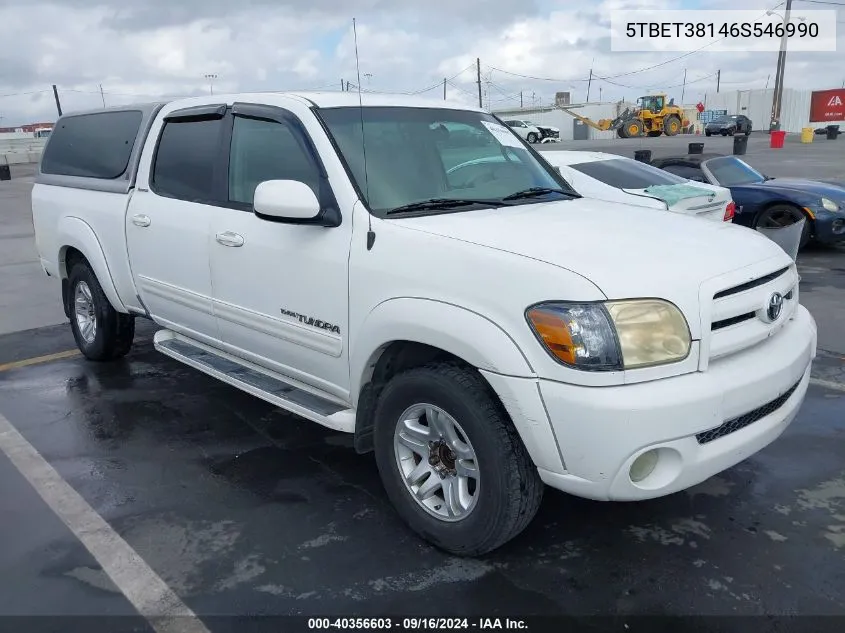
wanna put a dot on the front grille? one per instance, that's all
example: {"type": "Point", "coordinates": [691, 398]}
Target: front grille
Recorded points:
{"type": "Point", "coordinates": [718, 325]}
{"type": "Point", "coordinates": [751, 284]}
{"type": "Point", "coordinates": [744, 420]}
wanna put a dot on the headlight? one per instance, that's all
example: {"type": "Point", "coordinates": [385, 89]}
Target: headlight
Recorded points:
{"type": "Point", "coordinates": [611, 336]}
{"type": "Point", "coordinates": [830, 205]}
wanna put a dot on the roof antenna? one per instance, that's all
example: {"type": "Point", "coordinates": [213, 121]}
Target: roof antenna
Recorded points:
{"type": "Point", "coordinates": [371, 236]}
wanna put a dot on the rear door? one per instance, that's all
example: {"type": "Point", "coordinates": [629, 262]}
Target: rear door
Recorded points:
{"type": "Point", "coordinates": [167, 223]}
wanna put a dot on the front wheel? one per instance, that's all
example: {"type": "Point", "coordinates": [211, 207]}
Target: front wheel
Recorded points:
{"type": "Point", "coordinates": [532, 138]}
{"type": "Point", "coordinates": [782, 215]}
{"type": "Point", "coordinates": [101, 332]}
{"type": "Point", "coordinates": [451, 461]}
{"type": "Point", "coordinates": [707, 133]}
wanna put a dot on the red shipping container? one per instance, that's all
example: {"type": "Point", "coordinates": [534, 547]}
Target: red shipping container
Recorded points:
{"type": "Point", "coordinates": [827, 105]}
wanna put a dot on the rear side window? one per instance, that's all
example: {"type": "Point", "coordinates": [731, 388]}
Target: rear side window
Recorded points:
{"type": "Point", "coordinates": [627, 174]}
{"type": "Point", "coordinates": [92, 145]}
{"type": "Point", "coordinates": [185, 159]}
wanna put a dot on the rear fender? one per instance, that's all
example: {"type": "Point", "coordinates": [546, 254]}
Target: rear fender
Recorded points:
{"type": "Point", "coordinates": [75, 233]}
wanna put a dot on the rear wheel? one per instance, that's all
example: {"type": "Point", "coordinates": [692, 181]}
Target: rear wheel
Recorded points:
{"type": "Point", "coordinates": [451, 461]}
{"type": "Point", "coordinates": [101, 332]}
{"type": "Point", "coordinates": [748, 131]}
{"type": "Point", "coordinates": [620, 132]}
{"type": "Point", "coordinates": [782, 215]}
{"type": "Point", "coordinates": [706, 133]}
{"type": "Point", "coordinates": [672, 126]}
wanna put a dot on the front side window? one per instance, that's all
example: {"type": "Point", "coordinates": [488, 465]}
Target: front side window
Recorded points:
{"type": "Point", "coordinates": [266, 150]}
{"type": "Point", "coordinates": [184, 160]}
{"type": "Point", "coordinates": [419, 154]}
{"type": "Point", "coordinates": [627, 174]}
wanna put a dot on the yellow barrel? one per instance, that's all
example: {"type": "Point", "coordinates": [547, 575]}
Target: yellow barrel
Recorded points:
{"type": "Point", "coordinates": [806, 135]}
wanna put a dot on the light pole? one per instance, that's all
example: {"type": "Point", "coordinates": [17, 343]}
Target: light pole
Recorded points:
{"type": "Point", "coordinates": [777, 98]}
{"type": "Point", "coordinates": [210, 77]}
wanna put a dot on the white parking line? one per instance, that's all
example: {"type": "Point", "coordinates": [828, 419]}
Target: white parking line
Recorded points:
{"type": "Point", "coordinates": [147, 592]}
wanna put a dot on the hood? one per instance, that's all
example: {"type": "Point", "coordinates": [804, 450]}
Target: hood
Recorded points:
{"type": "Point", "coordinates": [812, 187]}
{"type": "Point", "coordinates": [625, 251]}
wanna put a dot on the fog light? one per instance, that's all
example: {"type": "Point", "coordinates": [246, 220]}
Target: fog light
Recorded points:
{"type": "Point", "coordinates": [643, 466]}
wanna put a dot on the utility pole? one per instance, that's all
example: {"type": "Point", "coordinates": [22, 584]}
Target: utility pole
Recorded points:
{"type": "Point", "coordinates": [478, 74]}
{"type": "Point", "coordinates": [211, 77]}
{"type": "Point", "coordinates": [684, 89]}
{"type": "Point", "coordinates": [589, 81]}
{"type": "Point", "coordinates": [769, 76]}
{"type": "Point", "coordinates": [102, 95]}
{"type": "Point", "coordinates": [599, 94]}
{"type": "Point", "coordinates": [58, 103]}
{"type": "Point", "coordinates": [444, 89]}
{"type": "Point", "coordinates": [718, 79]}
{"type": "Point", "coordinates": [342, 88]}
{"type": "Point", "coordinates": [778, 95]}
{"type": "Point", "coordinates": [520, 99]}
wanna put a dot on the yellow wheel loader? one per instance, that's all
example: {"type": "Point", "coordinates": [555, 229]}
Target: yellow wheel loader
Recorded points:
{"type": "Point", "coordinates": [653, 116]}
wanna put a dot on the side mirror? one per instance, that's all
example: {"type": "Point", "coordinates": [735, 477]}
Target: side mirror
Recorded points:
{"type": "Point", "coordinates": [285, 200]}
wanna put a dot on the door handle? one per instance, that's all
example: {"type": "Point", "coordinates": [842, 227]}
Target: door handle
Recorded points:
{"type": "Point", "coordinates": [227, 238]}
{"type": "Point", "coordinates": [140, 220]}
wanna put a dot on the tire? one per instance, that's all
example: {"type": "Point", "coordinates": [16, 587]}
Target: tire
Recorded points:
{"type": "Point", "coordinates": [724, 132]}
{"type": "Point", "coordinates": [748, 131]}
{"type": "Point", "coordinates": [532, 138]}
{"type": "Point", "coordinates": [782, 215]}
{"type": "Point", "coordinates": [633, 128]}
{"type": "Point", "coordinates": [112, 333]}
{"type": "Point", "coordinates": [706, 133]}
{"type": "Point", "coordinates": [672, 126]}
{"type": "Point", "coordinates": [510, 487]}
{"type": "Point", "coordinates": [620, 132]}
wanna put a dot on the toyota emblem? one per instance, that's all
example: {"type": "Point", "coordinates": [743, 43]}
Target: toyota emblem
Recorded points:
{"type": "Point", "coordinates": [775, 306]}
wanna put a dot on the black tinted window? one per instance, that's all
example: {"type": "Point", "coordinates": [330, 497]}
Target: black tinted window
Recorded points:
{"type": "Point", "coordinates": [266, 150]}
{"type": "Point", "coordinates": [627, 174]}
{"type": "Point", "coordinates": [184, 161]}
{"type": "Point", "coordinates": [690, 173]}
{"type": "Point", "coordinates": [92, 145]}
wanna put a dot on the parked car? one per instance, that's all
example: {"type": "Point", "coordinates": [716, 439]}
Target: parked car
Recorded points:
{"type": "Point", "coordinates": [548, 132]}
{"type": "Point", "coordinates": [767, 202]}
{"type": "Point", "coordinates": [526, 130]}
{"type": "Point", "coordinates": [484, 333]}
{"type": "Point", "coordinates": [615, 178]}
{"type": "Point", "coordinates": [729, 125]}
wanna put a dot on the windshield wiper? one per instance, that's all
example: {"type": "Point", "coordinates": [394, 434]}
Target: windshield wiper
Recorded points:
{"type": "Point", "coordinates": [440, 203]}
{"type": "Point", "coordinates": [533, 192]}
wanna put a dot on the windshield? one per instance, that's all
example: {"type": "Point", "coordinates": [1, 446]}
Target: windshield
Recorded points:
{"type": "Point", "coordinates": [624, 173]}
{"type": "Point", "coordinates": [726, 119]}
{"type": "Point", "coordinates": [729, 171]}
{"type": "Point", "coordinates": [419, 154]}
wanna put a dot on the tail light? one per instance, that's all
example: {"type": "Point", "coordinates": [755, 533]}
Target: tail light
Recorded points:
{"type": "Point", "coordinates": [730, 211]}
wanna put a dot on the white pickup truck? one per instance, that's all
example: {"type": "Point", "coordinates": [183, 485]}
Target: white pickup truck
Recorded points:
{"type": "Point", "coordinates": [477, 324]}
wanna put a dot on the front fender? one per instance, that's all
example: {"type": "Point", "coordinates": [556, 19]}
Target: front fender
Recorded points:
{"type": "Point", "coordinates": [461, 332]}
{"type": "Point", "coordinates": [76, 233]}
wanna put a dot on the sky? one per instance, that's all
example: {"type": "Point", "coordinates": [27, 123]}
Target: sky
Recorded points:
{"type": "Point", "coordinates": [153, 49]}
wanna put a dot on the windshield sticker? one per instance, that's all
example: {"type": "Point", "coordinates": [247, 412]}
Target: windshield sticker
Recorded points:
{"type": "Point", "coordinates": [502, 134]}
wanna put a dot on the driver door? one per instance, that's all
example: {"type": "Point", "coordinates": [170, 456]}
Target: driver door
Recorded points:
{"type": "Point", "coordinates": [280, 287]}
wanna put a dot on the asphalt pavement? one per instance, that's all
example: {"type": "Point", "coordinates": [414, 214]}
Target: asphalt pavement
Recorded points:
{"type": "Point", "coordinates": [238, 508]}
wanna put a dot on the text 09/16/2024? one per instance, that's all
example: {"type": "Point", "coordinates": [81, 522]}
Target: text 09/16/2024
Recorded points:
{"type": "Point", "coordinates": [722, 31]}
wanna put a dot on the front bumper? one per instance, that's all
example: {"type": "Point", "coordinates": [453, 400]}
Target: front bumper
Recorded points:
{"type": "Point", "coordinates": [829, 227]}
{"type": "Point", "coordinates": [601, 431]}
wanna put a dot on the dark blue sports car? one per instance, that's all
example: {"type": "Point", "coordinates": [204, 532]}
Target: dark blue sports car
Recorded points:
{"type": "Point", "coordinates": [768, 202]}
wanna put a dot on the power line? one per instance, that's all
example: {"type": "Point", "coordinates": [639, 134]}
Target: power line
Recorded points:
{"type": "Point", "coordinates": [827, 2]}
{"type": "Point", "coordinates": [440, 82]}
{"type": "Point", "coordinates": [21, 94]}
